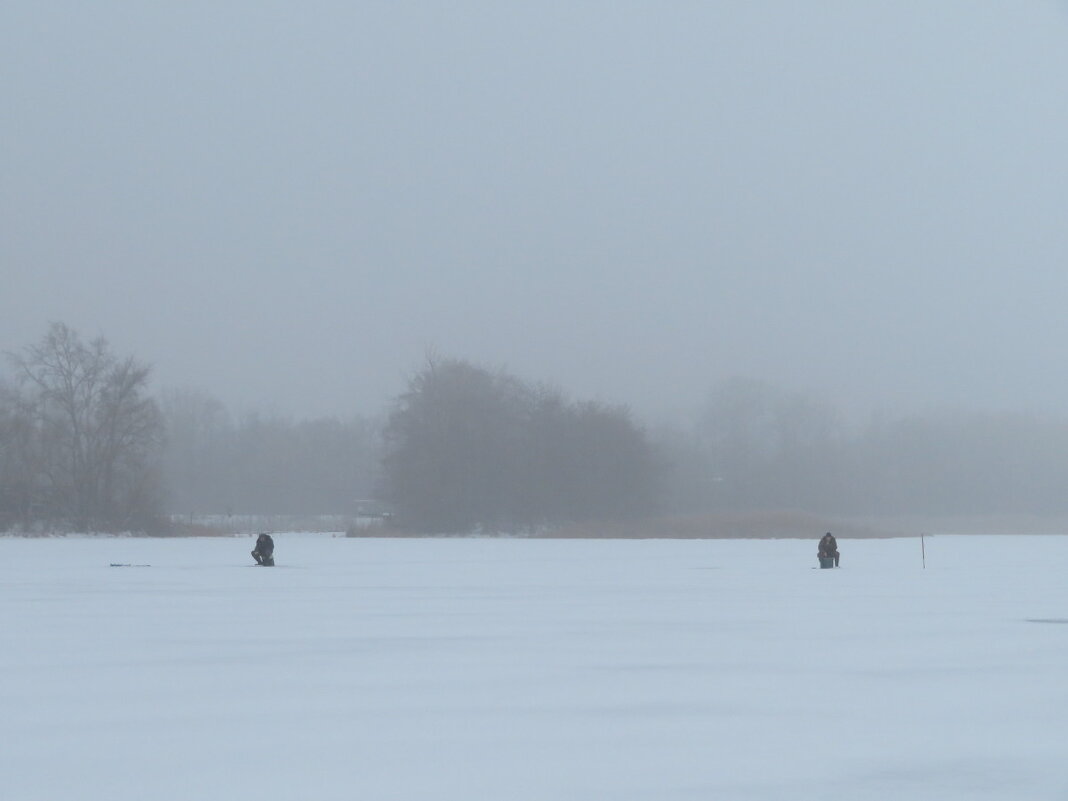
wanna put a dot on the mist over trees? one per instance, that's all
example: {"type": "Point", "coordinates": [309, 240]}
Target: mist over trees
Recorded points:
{"type": "Point", "coordinates": [264, 465]}
{"type": "Point", "coordinates": [757, 447]}
{"type": "Point", "coordinates": [85, 446]}
{"type": "Point", "coordinates": [767, 446]}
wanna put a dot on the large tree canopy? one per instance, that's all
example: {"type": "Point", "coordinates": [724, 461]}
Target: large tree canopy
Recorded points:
{"type": "Point", "coordinates": [468, 448]}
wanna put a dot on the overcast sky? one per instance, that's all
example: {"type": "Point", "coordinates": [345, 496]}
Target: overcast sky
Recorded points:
{"type": "Point", "coordinates": [287, 204]}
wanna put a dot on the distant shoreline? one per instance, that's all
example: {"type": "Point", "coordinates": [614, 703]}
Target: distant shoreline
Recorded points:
{"type": "Point", "coordinates": [725, 526]}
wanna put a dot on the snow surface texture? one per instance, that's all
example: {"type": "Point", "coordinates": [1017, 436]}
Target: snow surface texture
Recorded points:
{"type": "Point", "coordinates": [470, 669]}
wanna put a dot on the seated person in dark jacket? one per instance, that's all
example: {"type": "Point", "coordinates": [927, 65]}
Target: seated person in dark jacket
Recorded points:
{"type": "Point", "coordinates": [828, 548]}
{"type": "Point", "coordinates": [264, 551]}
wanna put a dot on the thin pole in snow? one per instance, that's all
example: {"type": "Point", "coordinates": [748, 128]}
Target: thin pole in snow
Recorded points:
{"type": "Point", "coordinates": [923, 551]}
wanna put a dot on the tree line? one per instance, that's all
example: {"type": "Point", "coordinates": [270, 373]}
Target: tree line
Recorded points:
{"type": "Point", "coordinates": [756, 446]}
{"type": "Point", "coordinates": [85, 445]}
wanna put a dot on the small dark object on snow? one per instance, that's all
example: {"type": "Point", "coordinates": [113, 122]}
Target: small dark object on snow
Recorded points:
{"type": "Point", "coordinates": [264, 551]}
{"type": "Point", "coordinates": [828, 551]}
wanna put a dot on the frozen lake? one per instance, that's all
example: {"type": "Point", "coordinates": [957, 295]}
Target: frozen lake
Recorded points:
{"type": "Point", "coordinates": [471, 669]}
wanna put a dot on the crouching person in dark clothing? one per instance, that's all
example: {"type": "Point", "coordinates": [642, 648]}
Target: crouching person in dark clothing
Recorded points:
{"type": "Point", "coordinates": [828, 550]}
{"type": "Point", "coordinates": [264, 551]}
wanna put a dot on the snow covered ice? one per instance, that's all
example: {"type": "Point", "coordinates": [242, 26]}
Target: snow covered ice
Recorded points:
{"type": "Point", "coordinates": [468, 669]}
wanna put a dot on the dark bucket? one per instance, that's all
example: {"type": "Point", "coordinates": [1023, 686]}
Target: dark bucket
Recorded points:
{"type": "Point", "coordinates": [826, 561]}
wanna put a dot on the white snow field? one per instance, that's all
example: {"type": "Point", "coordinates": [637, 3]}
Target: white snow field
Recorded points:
{"type": "Point", "coordinates": [499, 669]}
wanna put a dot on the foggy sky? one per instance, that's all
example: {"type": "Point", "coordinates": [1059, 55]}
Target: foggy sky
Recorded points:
{"type": "Point", "coordinates": [286, 205]}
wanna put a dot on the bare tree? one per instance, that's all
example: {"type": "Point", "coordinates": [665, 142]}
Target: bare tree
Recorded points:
{"type": "Point", "coordinates": [98, 432]}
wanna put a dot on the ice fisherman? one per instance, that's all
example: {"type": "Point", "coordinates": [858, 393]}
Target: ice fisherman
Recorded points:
{"type": "Point", "coordinates": [828, 548]}
{"type": "Point", "coordinates": [264, 550]}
